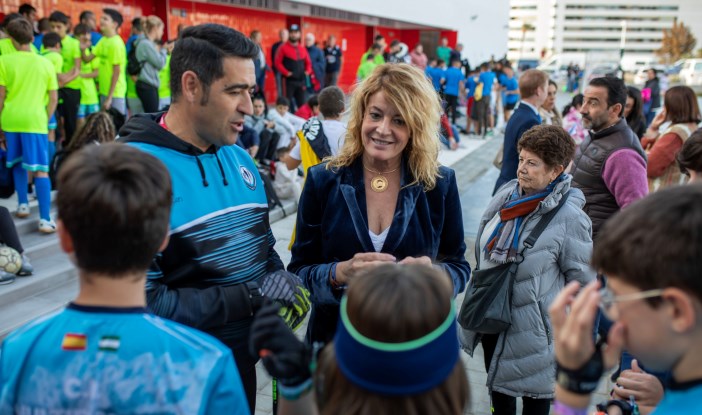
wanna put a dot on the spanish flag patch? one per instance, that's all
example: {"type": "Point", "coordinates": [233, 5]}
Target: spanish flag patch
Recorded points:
{"type": "Point", "coordinates": [72, 341]}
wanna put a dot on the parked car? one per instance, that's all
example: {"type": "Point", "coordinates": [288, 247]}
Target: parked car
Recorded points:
{"type": "Point", "coordinates": [602, 70]}
{"type": "Point", "coordinates": [691, 73]}
{"type": "Point", "coordinates": [641, 76]}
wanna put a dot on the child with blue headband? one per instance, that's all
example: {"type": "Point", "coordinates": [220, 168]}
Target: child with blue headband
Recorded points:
{"type": "Point", "coordinates": [395, 350]}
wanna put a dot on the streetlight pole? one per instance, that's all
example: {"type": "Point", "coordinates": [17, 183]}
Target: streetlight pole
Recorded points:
{"type": "Point", "coordinates": [622, 43]}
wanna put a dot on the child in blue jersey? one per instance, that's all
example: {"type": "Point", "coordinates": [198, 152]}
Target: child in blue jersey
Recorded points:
{"type": "Point", "coordinates": [510, 91]}
{"type": "Point", "coordinates": [650, 254]}
{"type": "Point", "coordinates": [452, 80]}
{"type": "Point", "coordinates": [105, 353]}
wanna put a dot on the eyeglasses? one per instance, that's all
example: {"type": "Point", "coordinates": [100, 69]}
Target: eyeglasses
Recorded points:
{"type": "Point", "coordinates": [608, 299]}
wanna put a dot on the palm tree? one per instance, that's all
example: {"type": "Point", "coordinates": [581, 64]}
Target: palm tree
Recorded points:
{"type": "Point", "coordinates": [525, 28]}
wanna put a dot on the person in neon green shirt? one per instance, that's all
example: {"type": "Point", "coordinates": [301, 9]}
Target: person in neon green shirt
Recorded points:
{"type": "Point", "coordinates": [112, 80]}
{"type": "Point", "coordinates": [6, 47]}
{"type": "Point", "coordinates": [69, 81]}
{"type": "Point", "coordinates": [51, 43]}
{"type": "Point", "coordinates": [366, 67]}
{"type": "Point", "coordinates": [25, 80]}
{"type": "Point", "coordinates": [89, 101]}
{"type": "Point", "coordinates": [164, 77]}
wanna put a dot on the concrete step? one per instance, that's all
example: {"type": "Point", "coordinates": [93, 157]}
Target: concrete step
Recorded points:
{"type": "Point", "coordinates": [19, 313]}
{"type": "Point", "coordinates": [49, 272]}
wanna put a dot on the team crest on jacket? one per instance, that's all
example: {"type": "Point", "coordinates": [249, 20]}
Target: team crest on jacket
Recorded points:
{"type": "Point", "coordinates": [249, 178]}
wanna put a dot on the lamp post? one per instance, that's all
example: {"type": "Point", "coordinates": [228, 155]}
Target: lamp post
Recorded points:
{"type": "Point", "coordinates": [622, 43]}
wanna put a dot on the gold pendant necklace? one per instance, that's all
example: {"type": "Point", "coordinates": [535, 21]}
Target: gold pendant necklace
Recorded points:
{"type": "Point", "coordinates": [379, 183]}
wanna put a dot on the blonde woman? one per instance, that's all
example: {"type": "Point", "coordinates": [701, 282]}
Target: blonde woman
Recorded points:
{"type": "Point", "coordinates": [152, 59]}
{"type": "Point", "coordinates": [383, 198]}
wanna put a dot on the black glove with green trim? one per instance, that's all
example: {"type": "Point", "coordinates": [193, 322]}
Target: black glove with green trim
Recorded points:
{"type": "Point", "coordinates": [286, 289]}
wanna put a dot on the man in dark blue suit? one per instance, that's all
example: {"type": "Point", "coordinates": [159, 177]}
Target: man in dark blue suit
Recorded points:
{"type": "Point", "coordinates": [533, 87]}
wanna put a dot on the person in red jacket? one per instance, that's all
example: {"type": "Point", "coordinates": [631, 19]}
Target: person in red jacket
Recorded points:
{"type": "Point", "coordinates": [293, 62]}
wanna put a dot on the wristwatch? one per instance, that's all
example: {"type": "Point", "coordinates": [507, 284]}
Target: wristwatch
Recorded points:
{"type": "Point", "coordinates": [255, 295]}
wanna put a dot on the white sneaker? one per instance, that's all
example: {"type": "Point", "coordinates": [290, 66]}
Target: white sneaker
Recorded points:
{"type": "Point", "coordinates": [22, 210]}
{"type": "Point", "coordinates": [47, 226]}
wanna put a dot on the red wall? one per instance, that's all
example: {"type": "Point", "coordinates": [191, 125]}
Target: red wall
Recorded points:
{"type": "Point", "coordinates": [352, 36]}
{"type": "Point", "coordinates": [243, 20]}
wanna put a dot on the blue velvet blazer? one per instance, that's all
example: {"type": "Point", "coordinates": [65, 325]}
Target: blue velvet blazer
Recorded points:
{"type": "Point", "coordinates": [332, 226]}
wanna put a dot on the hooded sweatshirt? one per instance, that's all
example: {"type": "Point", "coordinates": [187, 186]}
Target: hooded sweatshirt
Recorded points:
{"type": "Point", "coordinates": [220, 236]}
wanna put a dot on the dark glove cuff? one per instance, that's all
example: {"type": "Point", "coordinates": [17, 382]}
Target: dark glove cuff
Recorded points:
{"type": "Point", "coordinates": [623, 406]}
{"type": "Point", "coordinates": [582, 381]}
{"type": "Point", "coordinates": [293, 393]}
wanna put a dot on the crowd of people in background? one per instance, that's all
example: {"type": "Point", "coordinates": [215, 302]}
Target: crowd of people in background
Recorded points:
{"type": "Point", "coordinates": [588, 214]}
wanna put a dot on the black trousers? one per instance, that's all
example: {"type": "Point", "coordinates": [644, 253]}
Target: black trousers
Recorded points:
{"type": "Point", "coordinates": [268, 145]}
{"type": "Point", "coordinates": [295, 91]}
{"type": "Point", "coordinates": [148, 95]}
{"type": "Point", "coordinates": [70, 102]}
{"type": "Point", "coordinates": [504, 404]}
{"type": "Point", "coordinates": [451, 107]}
{"type": "Point", "coordinates": [8, 232]}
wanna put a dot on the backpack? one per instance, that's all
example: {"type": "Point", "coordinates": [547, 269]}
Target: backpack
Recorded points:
{"type": "Point", "coordinates": [478, 94]}
{"type": "Point", "coordinates": [133, 64]}
{"type": "Point", "coordinates": [7, 181]}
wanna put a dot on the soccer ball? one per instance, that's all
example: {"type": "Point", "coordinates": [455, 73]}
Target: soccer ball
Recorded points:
{"type": "Point", "coordinates": [10, 260]}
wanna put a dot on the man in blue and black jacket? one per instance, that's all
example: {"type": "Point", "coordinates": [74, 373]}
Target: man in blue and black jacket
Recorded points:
{"type": "Point", "coordinates": [220, 262]}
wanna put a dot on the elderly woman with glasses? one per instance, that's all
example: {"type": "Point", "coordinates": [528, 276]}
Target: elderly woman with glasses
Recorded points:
{"type": "Point", "coordinates": [520, 360]}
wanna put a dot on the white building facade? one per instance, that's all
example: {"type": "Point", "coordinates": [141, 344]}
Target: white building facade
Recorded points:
{"type": "Point", "coordinates": [541, 28]}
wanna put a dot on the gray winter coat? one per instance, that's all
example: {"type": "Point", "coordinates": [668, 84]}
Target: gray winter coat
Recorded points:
{"type": "Point", "coordinates": [525, 366]}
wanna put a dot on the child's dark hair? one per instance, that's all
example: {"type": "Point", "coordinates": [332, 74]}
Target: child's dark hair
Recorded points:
{"type": "Point", "coordinates": [577, 101]}
{"type": "Point", "coordinates": [115, 202]}
{"type": "Point", "coordinates": [690, 155]}
{"type": "Point", "coordinates": [655, 243]}
{"type": "Point", "coordinates": [81, 29]}
{"type": "Point", "coordinates": [59, 17]}
{"type": "Point", "coordinates": [51, 40]}
{"type": "Point", "coordinates": [331, 102]}
{"type": "Point", "coordinates": [281, 152]}
{"type": "Point", "coordinates": [282, 101]}
{"type": "Point", "coordinates": [313, 101]}
{"type": "Point", "coordinates": [98, 128]}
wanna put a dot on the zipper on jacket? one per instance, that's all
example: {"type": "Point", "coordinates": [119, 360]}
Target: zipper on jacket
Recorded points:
{"type": "Point", "coordinates": [544, 320]}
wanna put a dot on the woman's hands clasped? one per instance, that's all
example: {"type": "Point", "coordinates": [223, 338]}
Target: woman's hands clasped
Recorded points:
{"type": "Point", "coordinates": [364, 261]}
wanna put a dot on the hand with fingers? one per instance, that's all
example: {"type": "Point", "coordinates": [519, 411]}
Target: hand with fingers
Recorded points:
{"type": "Point", "coordinates": [580, 363]}
{"type": "Point", "coordinates": [360, 262]}
{"type": "Point", "coordinates": [646, 389]}
{"type": "Point", "coordinates": [284, 356]}
{"type": "Point", "coordinates": [422, 260]}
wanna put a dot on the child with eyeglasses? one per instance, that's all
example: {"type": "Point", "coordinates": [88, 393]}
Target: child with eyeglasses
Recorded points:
{"type": "Point", "coordinates": [650, 253]}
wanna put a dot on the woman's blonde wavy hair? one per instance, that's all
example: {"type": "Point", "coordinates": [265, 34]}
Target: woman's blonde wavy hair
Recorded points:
{"type": "Point", "coordinates": [408, 89]}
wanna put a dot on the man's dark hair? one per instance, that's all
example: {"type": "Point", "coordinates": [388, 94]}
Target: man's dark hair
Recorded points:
{"type": "Point", "coordinates": [81, 29]}
{"type": "Point", "coordinates": [332, 101]}
{"type": "Point", "coordinates": [136, 25]}
{"type": "Point", "coordinates": [377, 46]}
{"type": "Point", "coordinates": [21, 31]}
{"type": "Point", "coordinates": [26, 9]}
{"type": "Point", "coordinates": [394, 43]}
{"type": "Point", "coordinates": [59, 17]}
{"type": "Point", "coordinates": [85, 14]}
{"type": "Point", "coordinates": [114, 15]}
{"type": "Point", "coordinates": [656, 242]}
{"type": "Point", "coordinates": [378, 38]}
{"type": "Point", "coordinates": [8, 19]}
{"type": "Point", "coordinates": [50, 40]}
{"type": "Point", "coordinates": [690, 155]}
{"type": "Point", "coordinates": [439, 62]}
{"type": "Point", "coordinates": [616, 90]}
{"type": "Point", "coordinates": [115, 203]}
{"type": "Point", "coordinates": [43, 25]}
{"type": "Point", "coordinates": [282, 101]}
{"type": "Point", "coordinates": [202, 49]}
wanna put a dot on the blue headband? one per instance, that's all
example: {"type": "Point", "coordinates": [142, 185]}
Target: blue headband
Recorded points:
{"type": "Point", "coordinates": [405, 368]}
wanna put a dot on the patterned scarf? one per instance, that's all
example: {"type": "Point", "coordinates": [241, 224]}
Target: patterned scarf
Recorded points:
{"type": "Point", "coordinates": [503, 244]}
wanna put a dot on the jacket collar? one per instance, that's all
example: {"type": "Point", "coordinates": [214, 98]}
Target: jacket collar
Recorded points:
{"type": "Point", "coordinates": [353, 189]}
{"type": "Point", "coordinates": [617, 127]}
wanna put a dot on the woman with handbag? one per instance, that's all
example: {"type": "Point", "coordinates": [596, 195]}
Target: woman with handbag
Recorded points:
{"type": "Point", "coordinates": [680, 109]}
{"type": "Point", "coordinates": [536, 238]}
